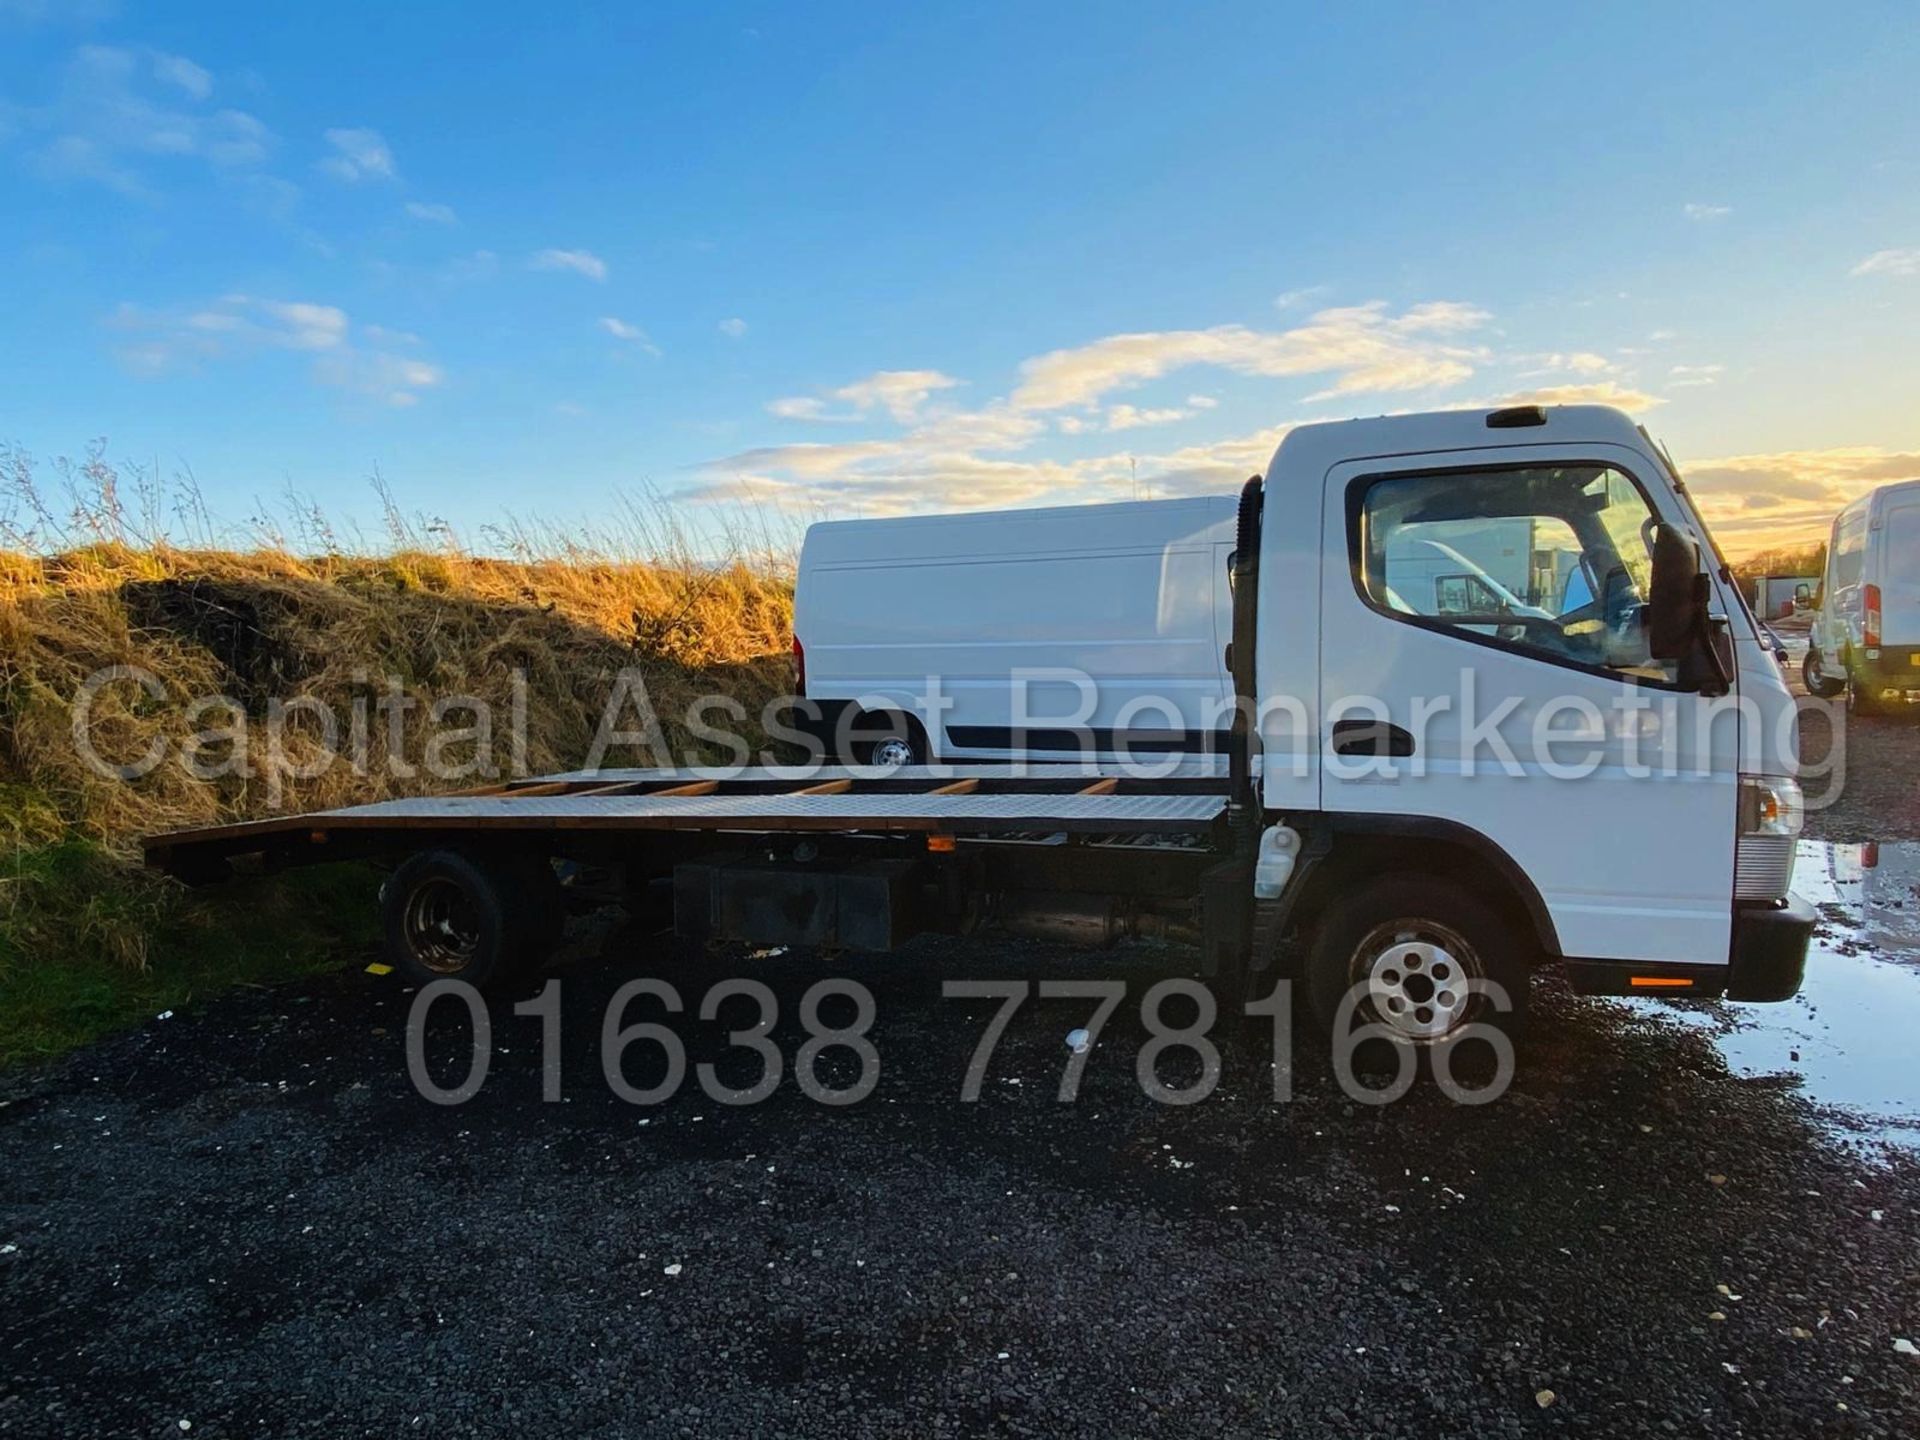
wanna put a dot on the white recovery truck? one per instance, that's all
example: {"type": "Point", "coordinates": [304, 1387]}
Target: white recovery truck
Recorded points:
{"type": "Point", "coordinates": [1433, 786]}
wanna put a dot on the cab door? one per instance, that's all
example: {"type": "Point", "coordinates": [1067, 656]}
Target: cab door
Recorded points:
{"type": "Point", "coordinates": [1485, 668]}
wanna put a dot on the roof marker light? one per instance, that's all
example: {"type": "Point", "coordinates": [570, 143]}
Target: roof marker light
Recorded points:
{"type": "Point", "coordinates": [1516, 417]}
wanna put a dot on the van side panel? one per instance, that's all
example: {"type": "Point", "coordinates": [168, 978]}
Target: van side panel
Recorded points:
{"type": "Point", "coordinates": [1104, 617]}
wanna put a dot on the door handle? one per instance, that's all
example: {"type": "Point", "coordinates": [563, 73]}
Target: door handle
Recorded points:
{"type": "Point", "coordinates": [1370, 737]}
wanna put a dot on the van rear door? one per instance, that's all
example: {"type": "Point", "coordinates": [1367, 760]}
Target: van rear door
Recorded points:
{"type": "Point", "coordinates": [1897, 572]}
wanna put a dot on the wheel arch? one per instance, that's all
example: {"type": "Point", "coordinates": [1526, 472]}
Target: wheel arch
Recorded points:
{"type": "Point", "coordinates": [1356, 846]}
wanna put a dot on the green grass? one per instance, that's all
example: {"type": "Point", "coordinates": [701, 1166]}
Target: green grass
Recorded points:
{"type": "Point", "coordinates": [90, 945]}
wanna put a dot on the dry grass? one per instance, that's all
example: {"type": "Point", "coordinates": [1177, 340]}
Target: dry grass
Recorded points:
{"type": "Point", "coordinates": [101, 566]}
{"type": "Point", "coordinates": [269, 624]}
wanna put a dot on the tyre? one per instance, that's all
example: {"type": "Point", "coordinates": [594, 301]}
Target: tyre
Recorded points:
{"type": "Point", "coordinates": [898, 742]}
{"type": "Point", "coordinates": [1813, 673]}
{"type": "Point", "coordinates": [1859, 701]}
{"type": "Point", "coordinates": [446, 916]}
{"type": "Point", "coordinates": [1421, 954]}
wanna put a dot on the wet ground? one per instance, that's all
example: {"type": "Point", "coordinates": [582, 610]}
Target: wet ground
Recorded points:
{"type": "Point", "coordinates": [1848, 1037]}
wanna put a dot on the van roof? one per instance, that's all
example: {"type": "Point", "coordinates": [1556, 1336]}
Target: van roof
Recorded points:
{"type": "Point", "coordinates": [1148, 512]}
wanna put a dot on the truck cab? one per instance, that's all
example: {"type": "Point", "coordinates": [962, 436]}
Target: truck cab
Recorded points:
{"type": "Point", "coordinates": [1606, 763]}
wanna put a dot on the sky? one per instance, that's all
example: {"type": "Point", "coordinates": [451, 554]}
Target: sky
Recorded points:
{"type": "Point", "coordinates": [838, 259]}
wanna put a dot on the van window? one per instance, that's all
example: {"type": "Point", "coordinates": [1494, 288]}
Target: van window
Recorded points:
{"type": "Point", "coordinates": [1551, 561]}
{"type": "Point", "coordinates": [1849, 549]}
{"type": "Point", "coordinates": [1901, 542]}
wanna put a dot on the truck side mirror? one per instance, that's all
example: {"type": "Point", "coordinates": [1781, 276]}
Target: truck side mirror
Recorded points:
{"type": "Point", "coordinates": [1671, 604]}
{"type": "Point", "coordinates": [1679, 626]}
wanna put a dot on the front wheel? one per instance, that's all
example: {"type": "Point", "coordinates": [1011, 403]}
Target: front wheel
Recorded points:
{"type": "Point", "coordinates": [1423, 960]}
{"type": "Point", "coordinates": [1813, 673]}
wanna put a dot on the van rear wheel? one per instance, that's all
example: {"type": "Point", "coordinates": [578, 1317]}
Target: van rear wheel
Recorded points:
{"type": "Point", "coordinates": [1423, 960]}
{"type": "Point", "coordinates": [897, 742]}
{"type": "Point", "coordinates": [1813, 673]}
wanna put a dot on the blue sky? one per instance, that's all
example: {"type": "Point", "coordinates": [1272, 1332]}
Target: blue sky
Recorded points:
{"type": "Point", "coordinates": [855, 259]}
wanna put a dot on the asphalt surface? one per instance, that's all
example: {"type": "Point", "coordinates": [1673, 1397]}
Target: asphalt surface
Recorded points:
{"type": "Point", "coordinates": [244, 1220]}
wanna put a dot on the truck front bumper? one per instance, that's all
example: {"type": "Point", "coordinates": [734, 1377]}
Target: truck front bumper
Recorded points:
{"type": "Point", "coordinates": [1766, 961]}
{"type": "Point", "coordinates": [1769, 954]}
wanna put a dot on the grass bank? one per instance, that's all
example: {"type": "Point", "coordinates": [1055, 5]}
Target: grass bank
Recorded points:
{"type": "Point", "coordinates": [243, 668]}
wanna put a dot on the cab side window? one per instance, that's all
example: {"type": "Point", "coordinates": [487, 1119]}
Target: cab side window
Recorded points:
{"type": "Point", "coordinates": [1548, 561]}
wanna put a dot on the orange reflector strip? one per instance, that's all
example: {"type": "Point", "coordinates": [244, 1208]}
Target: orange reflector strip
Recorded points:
{"type": "Point", "coordinates": [940, 844]}
{"type": "Point", "coordinates": [1659, 982]}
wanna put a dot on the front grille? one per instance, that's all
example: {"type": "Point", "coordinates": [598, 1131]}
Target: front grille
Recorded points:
{"type": "Point", "coordinates": [1762, 867]}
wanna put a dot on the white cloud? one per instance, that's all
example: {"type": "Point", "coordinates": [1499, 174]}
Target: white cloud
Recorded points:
{"type": "Point", "coordinates": [901, 394]}
{"type": "Point", "coordinates": [120, 114]}
{"type": "Point", "coordinates": [1364, 347]}
{"type": "Point", "coordinates": [1202, 402]}
{"type": "Point", "coordinates": [733, 326]}
{"type": "Point", "coordinates": [1289, 299]}
{"type": "Point", "coordinates": [432, 214]}
{"type": "Point", "coordinates": [801, 407]}
{"type": "Point", "coordinates": [579, 262]}
{"type": "Point", "coordinates": [1131, 417]}
{"type": "Point", "coordinates": [631, 334]}
{"type": "Point", "coordinates": [1685, 377]}
{"type": "Point", "coordinates": [182, 73]}
{"type": "Point", "coordinates": [1789, 496]}
{"type": "Point", "coordinates": [1606, 392]}
{"type": "Point", "coordinates": [304, 326]}
{"type": "Point", "coordinates": [1578, 362]}
{"type": "Point", "coordinates": [359, 155]}
{"type": "Point", "coordinates": [1695, 210]}
{"type": "Point", "coordinates": [157, 343]}
{"type": "Point", "coordinates": [1890, 262]}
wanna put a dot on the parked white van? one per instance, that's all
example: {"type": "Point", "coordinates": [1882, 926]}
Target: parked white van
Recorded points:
{"type": "Point", "coordinates": [1866, 632]}
{"type": "Point", "coordinates": [973, 636]}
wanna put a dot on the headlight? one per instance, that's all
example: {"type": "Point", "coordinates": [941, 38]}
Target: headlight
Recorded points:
{"type": "Point", "coordinates": [1772, 810]}
{"type": "Point", "coordinates": [1771, 805]}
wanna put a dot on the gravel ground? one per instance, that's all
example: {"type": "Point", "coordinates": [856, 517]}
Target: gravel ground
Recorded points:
{"type": "Point", "coordinates": [1873, 792]}
{"type": "Point", "coordinates": [244, 1219]}
{"type": "Point", "coordinates": [1870, 789]}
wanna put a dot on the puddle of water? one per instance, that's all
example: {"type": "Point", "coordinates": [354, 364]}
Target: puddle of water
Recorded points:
{"type": "Point", "coordinates": [1848, 1034]}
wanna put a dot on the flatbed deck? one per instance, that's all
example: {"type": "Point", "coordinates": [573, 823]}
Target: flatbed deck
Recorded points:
{"type": "Point", "coordinates": [959, 800]}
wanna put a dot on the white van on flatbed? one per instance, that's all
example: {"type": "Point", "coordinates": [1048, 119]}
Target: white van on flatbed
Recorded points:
{"type": "Point", "coordinates": [966, 636]}
{"type": "Point", "coordinates": [1866, 631]}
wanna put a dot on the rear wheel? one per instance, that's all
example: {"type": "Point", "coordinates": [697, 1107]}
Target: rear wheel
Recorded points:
{"type": "Point", "coordinates": [1423, 960]}
{"type": "Point", "coordinates": [1813, 672]}
{"type": "Point", "coordinates": [447, 916]}
{"type": "Point", "coordinates": [1860, 699]}
{"type": "Point", "coordinates": [895, 741]}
